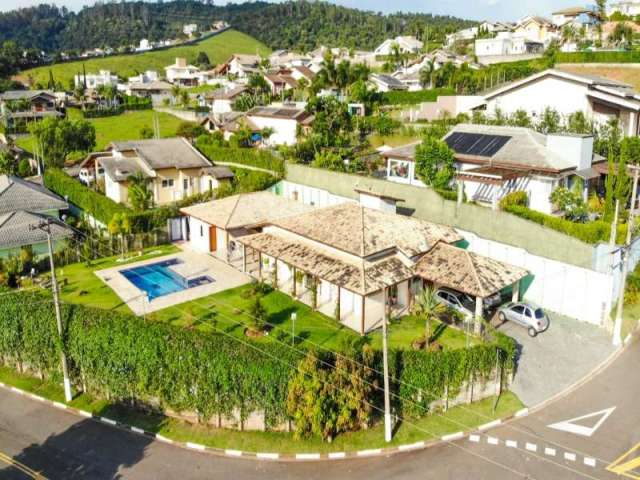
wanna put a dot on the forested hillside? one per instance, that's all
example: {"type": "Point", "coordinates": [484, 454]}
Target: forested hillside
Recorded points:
{"type": "Point", "coordinates": [300, 24]}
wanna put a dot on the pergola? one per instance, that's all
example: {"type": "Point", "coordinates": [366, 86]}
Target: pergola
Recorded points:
{"type": "Point", "coordinates": [476, 275]}
{"type": "Point", "coordinates": [489, 175]}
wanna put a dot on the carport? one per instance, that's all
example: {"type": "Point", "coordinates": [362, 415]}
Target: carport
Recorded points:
{"type": "Point", "coordinates": [467, 272]}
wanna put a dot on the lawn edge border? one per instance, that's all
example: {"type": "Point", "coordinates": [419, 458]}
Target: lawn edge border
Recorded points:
{"type": "Point", "coordinates": [315, 456]}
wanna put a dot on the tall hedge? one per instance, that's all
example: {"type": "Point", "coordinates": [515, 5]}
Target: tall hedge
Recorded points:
{"type": "Point", "coordinates": [245, 156]}
{"type": "Point", "coordinates": [120, 356]}
{"type": "Point", "coordinates": [399, 97]}
{"type": "Point", "coordinates": [99, 206]}
{"type": "Point", "coordinates": [599, 57]}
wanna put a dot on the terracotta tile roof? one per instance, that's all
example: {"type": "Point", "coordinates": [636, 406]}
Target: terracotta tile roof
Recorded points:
{"type": "Point", "coordinates": [467, 272]}
{"type": "Point", "coordinates": [363, 231]}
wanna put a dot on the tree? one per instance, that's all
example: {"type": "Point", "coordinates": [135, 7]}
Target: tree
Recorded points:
{"type": "Point", "coordinates": [257, 314]}
{"type": "Point", "coordinates": [550, 121]}
{"type": "Point", "coordinates": [146, 132]}
{"type": "Point", "coordinates": [7, 164]}
{"type": "Point", "coordinates": [24, 168]}
{"type": "Point", "coordinates": [570, 202]}
{"type": "Point", "coordinates": [329, 161]}
{"type": "Point", "coordinates": [429, 308]}
{"type": "Point", "coordinates": [521, 118]}
{"type": "Point", "coordinates": [56, 138]}
{"type": "Point", "coordinates": [426, 75]}
{"type": "Point", "coordinates": [332, 124]}
{"type": "Point", "coordinates": [601, 10]}
{"type": "Point", "coordinates": [120, 225]}
{"type": "Point", "coordinates": [202, 60]}
{"type": "Point", "coordinates": [140, 195]}
{"type": "Point", "coordinates": [190, 130]}
{"type": "Point", "coordinates": [622, 34]}
{"type": "Point", "coordinates": [578, 123]}
{"type": "Point", "coordinates": [51, 84]}
{"type": "Point", "coordinates": [435, 163]}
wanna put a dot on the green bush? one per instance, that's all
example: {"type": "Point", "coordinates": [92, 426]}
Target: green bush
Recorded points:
{"type": "Point", "coordinates": [95, 204]}
{"type": "Point", "coordinates": [592, 232]}
{"type": "Point", "coordinates": [244, 156]}
{"type": "Point", "coordinates": [519, 198]}
{"type": "Point", "coordinates": [413, 98]}
{"type": "Point", "coordinates": [599, 57]}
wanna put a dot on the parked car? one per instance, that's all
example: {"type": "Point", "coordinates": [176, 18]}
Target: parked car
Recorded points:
{"type": "Point", "coordinates": [456, 301]}
{"type": "Point", "coordinates": [487, 302]}
{"type": "Point", "coordinates": [534, 319]}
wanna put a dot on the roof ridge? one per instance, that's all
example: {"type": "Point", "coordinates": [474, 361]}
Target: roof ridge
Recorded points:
{"type": "Point", "coordinates": [364, 276]}
{"type": "Point", "coordinates": [226, 225]}
{"type": "Point", "coordinates": [473, 269]}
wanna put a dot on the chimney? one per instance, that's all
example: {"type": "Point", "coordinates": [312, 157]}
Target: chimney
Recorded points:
{"type": "Point", "coordinates": [181, 62]}
{"type": "Point", "coordinates": [577, 149]}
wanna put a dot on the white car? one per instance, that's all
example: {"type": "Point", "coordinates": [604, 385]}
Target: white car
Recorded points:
{"type": "Point", "coordinates": [535, 320]}
{"type": "Point", "coordinates": [456, 301]}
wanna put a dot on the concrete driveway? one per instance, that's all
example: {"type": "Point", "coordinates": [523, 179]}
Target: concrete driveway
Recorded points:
{"type": "Point", "coordinates": [557, 358]}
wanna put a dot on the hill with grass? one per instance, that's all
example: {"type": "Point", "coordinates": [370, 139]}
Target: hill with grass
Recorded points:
{"type": "Point", "coordinates": [218, 48]}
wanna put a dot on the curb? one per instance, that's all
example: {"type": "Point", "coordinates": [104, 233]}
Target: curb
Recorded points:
{"type": "Point", "coordinates": [309, 457]}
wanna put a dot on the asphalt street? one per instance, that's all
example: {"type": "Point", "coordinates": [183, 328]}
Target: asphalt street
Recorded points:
{"type": "Point", "coordinates": [60, 445]}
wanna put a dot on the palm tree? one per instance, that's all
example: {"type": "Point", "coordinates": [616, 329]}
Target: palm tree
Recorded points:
{"type": "Point", "coordinates": [175, 92]}
{"type": "Point", "coordinates": [140, 196]}
{"type": "Point", "coordinates": [426, 74]}
{"type": "Point", "coordinates": [428, 307]}
{"type": "Point", "coordinates": [120, 225]}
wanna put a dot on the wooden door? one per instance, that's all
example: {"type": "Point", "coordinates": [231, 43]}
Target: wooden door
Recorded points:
{"type": "Point", "coordinates": [213, 240]}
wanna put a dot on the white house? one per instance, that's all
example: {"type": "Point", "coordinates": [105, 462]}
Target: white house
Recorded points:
{"type": "Point", "coordinates": [145, 77]}
{"type": "Point", "coordinates": [189, 29]}
{"type": "Point", "coordinates": [181, 73]}
{"type": "Point", "coordinates": [572, 15]}
{"type": "Point", "coordinates": [283, 121]}
{"type": "Point", "coordinates": [173, 168]}
{"type": "Point", "coordinates": [144, 45]}
{"type": "Point", "coordinates": [221, 101]}
{"type": "Point", "coordinates": [598, 97]}
{"type": "Point", "coordinates": [240, 65]}
{"type": "Point", "coordinates": [386, 83]}
{"type": "Point", "coordinates": [95, 80]}
{"type": "Point", "coordinates": [507, 43]}
{"type": "Point", "coordinates": [492, 161]}
{"type": "Point", "coordinates": [406, 44]}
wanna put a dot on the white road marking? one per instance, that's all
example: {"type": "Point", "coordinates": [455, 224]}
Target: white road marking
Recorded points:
{"type": "Point", "coordinates": [233, 453]}
{"type": "Point", "coordinates": [570, 456]}
{"type": "Point", "coordinates": [550, 451]}
{"type": "Point", "coordinates": [572, 427]}
{"type": "Point", "coordinates": [591, 462]}
{"type": "Point", "coordinates": [453, 436]}
{"type": "Point", "coordinates": [474, 438]}
{"type": "Point", "coordinates": [532, 447]}
{"type": "Point", "coordinates": [268, 456]}
{"type": "Point", "coordinates": [511, 444]}
{"type": "Point", "coordinates": [411, 446]}
{"type": "Point", "coordinates": [307, 456]}
{"type": "Point", "coordinates": [492, 440]}
{"type": "Point", "coordinates": [337, 455]}
{"type": "Point", "coordinates": [522, 413]}
{"type": "Point", "coordinates": [489, 425]}
{"type": "Point", "coordinates": [195, 446]}
{"type": "Point", "coordinates": [137, 430]}
{"type": "Point", "coordinates": [366, 453]}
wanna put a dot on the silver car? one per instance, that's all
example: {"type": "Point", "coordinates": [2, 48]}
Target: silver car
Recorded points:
{"type": "Point", "coordinates": [456, 301]}
{"type": "Point", "coordinates": [534, 319]}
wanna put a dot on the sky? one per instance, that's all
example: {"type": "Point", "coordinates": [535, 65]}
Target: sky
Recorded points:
{"type": "Point", "coordinates": [469, 9]}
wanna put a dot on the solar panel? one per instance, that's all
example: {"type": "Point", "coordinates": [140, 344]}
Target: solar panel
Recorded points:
{"type": "Point", "coordinates": [476, 143]}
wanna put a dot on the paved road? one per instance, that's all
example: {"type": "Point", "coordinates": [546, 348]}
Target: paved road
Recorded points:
{"type": "Point", "coordinates": [62, 446]}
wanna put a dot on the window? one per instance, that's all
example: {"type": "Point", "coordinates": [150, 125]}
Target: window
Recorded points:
{"type": "Point", "coordinates": [398, 168]}
{"type": "Point", "coordinates": [185, 183]}
{"type": "Point", "coordinates": [201, 231]}
{"type": "Point", "coordinates": [167, 183]}
{"type": "Point", "coordinates": [527, 313]}
{"type": "Point", "coordinates": [519, 309]}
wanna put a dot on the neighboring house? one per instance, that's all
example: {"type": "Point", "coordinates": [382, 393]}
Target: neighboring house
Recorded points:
{"type": "Point", "coordinates": [94, 80]}
{"type": "Point", "coordinates": [190, 29]}
{"type": "Point", "coordinates": [508, 43]}
{"type": "Point", "coordinates": [157, 90]}
{"type": "Point", "coordinates": [230, 123]}
{"type": "Point", "coordinates": [406, 44]}
{"type": "Point", "coordinates": [492, 161]}
{"type": "Point", "coordinates": [144, 45]}
{"type": "Point", "coordinates": [280, 81]}
{"type": "Point", "coordinates": [386, 83]}
{"type": "Point", "coordinates": [301, 71]}
{"type": "Point", "coordinates": [221, 101]}
{"type": "Point", "coordinates": [287, 59]}
{"type": "Point", "coordinates": [172, 166]}
{"type": "Point", "coordinates": [625, 7]}
{"type": "Point", "coordinates": [284, 123]}
{"type": "Point", "coordinates": [181, 73]}
{"type": "Point", "coordinates": [19, 107]}
{"type": "Point", "coordinates": [240, 66]}
{"type": "Point", "coordinates": [472, 32]}
{"type": "Point", "coordinates": [538, 29]}
{"type": "Point", "coordinates": [599, 98]}
{"type": "Point", "coordinates": [573, 16]}
{"type": "Point", "coordinates": [146, 77]}
{"type": "Point", "coordinates": [24, 204]}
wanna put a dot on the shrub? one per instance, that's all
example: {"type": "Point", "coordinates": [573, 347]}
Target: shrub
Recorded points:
{"type": "Point", "coordinates": [518, 198]}
{"type": "Point", "coordinates": [244, 156]}
{"type": "Point", "coordinates": [413, 98]}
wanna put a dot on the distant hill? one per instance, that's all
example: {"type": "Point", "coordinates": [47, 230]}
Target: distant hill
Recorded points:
{"type": "Point", "coordinates": [218, 48]}
{"type": "Point", "coordinates": [301, 25]}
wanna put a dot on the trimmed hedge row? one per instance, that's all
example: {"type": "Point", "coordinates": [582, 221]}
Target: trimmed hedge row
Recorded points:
{"type": "Point", "coordinates": [123, 357]}
{"type": "Point", "coordinates": [599, 57]}
{"type": "Point", "coordinates": [591, 232]}
{"type": "Point", "coordinates": [244, 156]}
{"type": "Point", "coordinates": [100, 207]}
{"type": "Point", "coordinates": [413, 98]}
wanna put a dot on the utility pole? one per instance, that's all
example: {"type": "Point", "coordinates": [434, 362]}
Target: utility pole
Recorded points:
{"type": "Point", "coordinates": [45, 226]}
{"type": "Point", "coordinates": [624, 258]}
{"type": "Point", "coordinates": [385, 360]}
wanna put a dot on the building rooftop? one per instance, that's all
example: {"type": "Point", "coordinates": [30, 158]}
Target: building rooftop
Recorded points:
{"type": "Point", "coordinates": [24, 94]}
{"type": "Point", "coordinates": [19, 194]}
{"type": "Point", "coordinates": [286, 113]}
{"type": "Point", "coordinates": [363, 231]}
{"type": "Point", "coordinates": [163, 153]}
{"type": "Point", "coordinates": [245, 210]}
{"type": "Point", "coordinates": [15, 229]}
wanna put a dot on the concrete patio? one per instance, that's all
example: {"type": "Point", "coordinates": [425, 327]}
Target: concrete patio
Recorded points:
{"type": "Point", "coordinates": [192, 265]}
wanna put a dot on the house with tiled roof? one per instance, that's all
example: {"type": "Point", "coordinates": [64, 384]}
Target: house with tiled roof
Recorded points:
{"type": "Point", "coordinates": [24, 204]}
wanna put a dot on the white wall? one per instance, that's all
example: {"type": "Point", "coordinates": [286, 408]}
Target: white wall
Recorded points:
{"type": "Point", "coordinates": [112, 190]}
{"type": "Point", "coordinates": [199, 235]}
{"type": "Point", "coordinates": [284, 130]}
{"type": "Point", "coordinates": [565, 96]}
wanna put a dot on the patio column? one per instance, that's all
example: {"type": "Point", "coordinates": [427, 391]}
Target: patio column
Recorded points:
{"type": "Point", "coordinates": [338, 312]}
{"type": "Point", "coordinates": [275, 273]}
{"type": "Point", "coordinates": [515, 295]}
{"type": "Point", "coordinates": [362, 313]}
{"type": "Point", "coordinates": [494, 198]}
{"type": "Point", "coordinates": [260, 265]}
{"type": "Point", "coordinates": [294, 287]}
{"type": "Point", "coordinates": [477, 327]}
{"type": "Point", "coordinates": [460, 192]}
{"type": "Point", "coordinates": [244, 258]}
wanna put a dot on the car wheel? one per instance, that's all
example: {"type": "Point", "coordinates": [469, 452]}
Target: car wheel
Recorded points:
{"type": "Point", "coordinates": [502, 317]}
{"type": "Point", "coordinates": [532, 332]}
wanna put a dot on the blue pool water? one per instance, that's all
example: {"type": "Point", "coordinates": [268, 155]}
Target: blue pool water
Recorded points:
{"type": "Point", "coordinates": [157, 279]}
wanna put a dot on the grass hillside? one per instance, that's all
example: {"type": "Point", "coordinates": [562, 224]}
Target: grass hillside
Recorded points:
{"type": "Point", "coordinates": [218, 48]}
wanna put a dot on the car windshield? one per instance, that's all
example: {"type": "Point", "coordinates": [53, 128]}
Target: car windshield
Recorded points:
{"type": "Point", "coordinates": [539, 313]}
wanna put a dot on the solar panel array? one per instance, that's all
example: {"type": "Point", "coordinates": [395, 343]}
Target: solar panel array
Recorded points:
{"type": "Point", "coordinates": [477, 144]}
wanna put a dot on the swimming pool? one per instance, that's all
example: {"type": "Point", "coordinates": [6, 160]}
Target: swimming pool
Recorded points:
{"type": "Point", "coordinates": [157, 279]}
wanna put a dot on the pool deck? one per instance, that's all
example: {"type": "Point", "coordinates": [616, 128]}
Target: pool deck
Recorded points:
{"type": "Point", "coordinates": [192, 265]}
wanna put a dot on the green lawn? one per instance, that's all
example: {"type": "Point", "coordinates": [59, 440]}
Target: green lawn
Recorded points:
{"type": "Point", "coordinates": [218, 48]}
{"type": "Point", "coordinates": [412, 430]}
{"type": "Point", "coordinates": [227, 311]}
{"type": "Point", "coordinates": [122, 127]}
